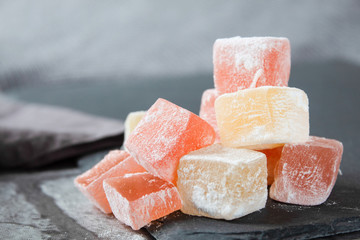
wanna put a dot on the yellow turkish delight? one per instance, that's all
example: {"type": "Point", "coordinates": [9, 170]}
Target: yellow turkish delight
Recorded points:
{"type": "Point", "coordinates": [263, 117]}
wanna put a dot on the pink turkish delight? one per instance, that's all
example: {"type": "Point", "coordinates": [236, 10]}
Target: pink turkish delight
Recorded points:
{"type": "Point", "coordinates": [241, 63]}
{"type": "Point", "coordinates": [165, 134]}
{"type": "Point", "coordinates": [137, 199]}
{"type": "Point", "coordinates": [306, 172]}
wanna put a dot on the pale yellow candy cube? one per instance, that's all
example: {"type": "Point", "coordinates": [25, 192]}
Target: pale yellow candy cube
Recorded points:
{"type": "Point", "coordinates": [263, 117]}
{"type": "Point", "coordinates": [223, 183]}
{"type": "Point", "coordinates": [132, 121]}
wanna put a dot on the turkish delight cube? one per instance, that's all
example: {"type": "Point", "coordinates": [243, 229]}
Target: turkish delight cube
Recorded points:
{"type": "Point", "coordinates": [164, 135]}
{"type": "Point", "coordinates": [115, 164]}
{"type": "Point", "coordinates": [241, 63]}
{"type": "Point", "coordinates": [263, 117]}
{"type": "Point", "coordinates": [223, 183]}
{"type": "Point", "coordinates": [272, 157]}
{"type": "Point", "coordinates": [137, 199]}
{"type": "Point", "coordinates": [306, 172]}
{"type": "Point", "coordinates": [207, 110]}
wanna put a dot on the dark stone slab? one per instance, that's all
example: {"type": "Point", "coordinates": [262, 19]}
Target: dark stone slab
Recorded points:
{"type": "Point", "coordinates": [339, 214]}
{"type": "Point", "coordinates": [333, 90]}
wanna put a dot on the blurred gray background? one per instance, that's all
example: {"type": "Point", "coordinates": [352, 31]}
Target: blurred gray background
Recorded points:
{"type": "Point", "coordinates": [127, 41]}
{"type": "Point", "coordinates": [109, 58]}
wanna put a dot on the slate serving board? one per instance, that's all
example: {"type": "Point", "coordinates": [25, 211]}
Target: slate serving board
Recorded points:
{"type": "Point", "coordinates": [340, 214]}
{"type": "Point", "coordinates": [333, 90]}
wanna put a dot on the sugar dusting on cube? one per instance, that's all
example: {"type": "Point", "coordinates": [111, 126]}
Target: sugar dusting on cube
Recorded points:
{"type": "Point", "coordinates": [260, 117]}
{"type": "Point", "coordinates": [137, 199]}
{"type": "Point", "coordinates": [306, 172]}
{"type": "Point", "coordinates": [164, 135]}
{"type": "Point", "coordinates": [241, 63]}
{"type": "Point", "coordinates": [115, 164]}
{"type": "Point", "coordinates": [221, 182]}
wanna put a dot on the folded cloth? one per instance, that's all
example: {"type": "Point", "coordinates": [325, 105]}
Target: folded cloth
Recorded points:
{"type": "Point", "coordinates": [33, 135]}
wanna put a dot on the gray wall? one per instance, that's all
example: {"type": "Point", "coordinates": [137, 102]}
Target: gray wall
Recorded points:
{"type": "Point", "coordinates": [51, 41]}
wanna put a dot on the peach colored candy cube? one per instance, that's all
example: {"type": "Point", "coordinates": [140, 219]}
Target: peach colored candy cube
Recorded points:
{"type": "Point", "coordinates": [221, 182]}
{"type": "Point", "coordinates": [164, 135]}
{"type": "Point", "coordinates": [272, 157]}
{"type": "Point", "coordinates": [115, 164]}
{"type": "Point", "coordinates": [207, 110]}
{"type": "Point", "coordinates": [132, 121]}
{"type": "Point", "coordinates": [241, 63]}
{"type": "Point", "coordinates": [137, 199]}
{"type": "Point", "coordinates": [306, 172]}
{"type": "Point", "coordinates": [263, 117]}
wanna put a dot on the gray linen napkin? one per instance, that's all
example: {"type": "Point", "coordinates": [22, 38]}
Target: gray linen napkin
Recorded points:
{"type": "Point", "coordinates": [33, 135]}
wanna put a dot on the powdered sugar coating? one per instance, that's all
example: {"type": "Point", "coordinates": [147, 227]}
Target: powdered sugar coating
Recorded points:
{"type": "Point", "coordinates": [220, 182]}
{"type": "Point", "coordinates": [166, 133]}
{"type": "Point", "coordinates": [241, 63]}
{"type": "Point", "coordinates": [156, 198]}
{"type": "Point", "coordinates": [263, 117]}
{"type": "Point", "coordinates": [115, 164]}
{"type": "Point", "coordinates": [219, 153]}
{"type": "Point", "coordinates": [307, 172]}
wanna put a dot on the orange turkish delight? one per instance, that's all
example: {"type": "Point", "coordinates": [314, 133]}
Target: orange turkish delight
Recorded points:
{"type": "Point", "coordinates": [263, 117]}
{"type": "Point", "coordinates": [137, 199]}
{"type": "Point", "coordinates": [207, 110]}
{"type": "Point", "coordinates": [164, 135]}
{"type": "Point", "coordinates": [241, 63]}
{"type": "Point", "coordinates": [115, 164]}
{"type": "Point", "coordinates": [272, 157]}
{"type": "Point", "coordinates": [306, 172]}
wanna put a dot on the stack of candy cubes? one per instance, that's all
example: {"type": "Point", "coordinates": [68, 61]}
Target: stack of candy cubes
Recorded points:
{"type": "Point", "coordinates": [252, 132]}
